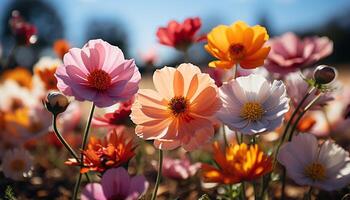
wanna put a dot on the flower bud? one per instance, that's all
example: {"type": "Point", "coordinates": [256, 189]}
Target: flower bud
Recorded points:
{"type": "Point", "coordinates": [56, 103]}
{"type": "Point", "coordinates": [324, 74]}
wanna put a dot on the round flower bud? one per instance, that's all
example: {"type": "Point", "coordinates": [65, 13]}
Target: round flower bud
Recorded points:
{"type": "Point", "coordinates": [324, 74]}
{"type": "Point", "coordinates": [56, 103]}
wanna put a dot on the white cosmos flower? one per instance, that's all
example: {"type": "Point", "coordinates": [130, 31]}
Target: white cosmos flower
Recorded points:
{"type": "Point", "coordinates": [325, 166]}
{"type": "Point", "coordinates": [252, 105]}
{"type": "Point", "coordinates": [17, 164]}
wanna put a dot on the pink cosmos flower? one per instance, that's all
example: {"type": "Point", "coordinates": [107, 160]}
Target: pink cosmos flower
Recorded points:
{"type": "Point", "coordinates": [116, 184]}
{"type": "Point", "coordinates": [179, 169]}
{"type": "Point", "coordinates": [98, 72]}
{"type": "Point", "coordinates": [290, 53]}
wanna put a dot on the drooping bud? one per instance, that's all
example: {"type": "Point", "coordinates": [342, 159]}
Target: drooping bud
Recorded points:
{"type": "Point", "coordinates": [324, 74]}
{"type": "Point", "coordinates": [56, 103]}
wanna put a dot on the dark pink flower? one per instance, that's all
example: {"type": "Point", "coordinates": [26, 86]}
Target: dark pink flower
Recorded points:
{"type": "Point", "coordinates": [290, 53]}
{"type": "Point", "coordinates": [98, 72]}
{"type": "Point", "coordinates": [179, 168]}
{"type": "Point", "coordinates": [116, 184]}
{"type": "Point", "coordinates": [180, 35]}
{"type": "Point", "coordinates": [24, 32]}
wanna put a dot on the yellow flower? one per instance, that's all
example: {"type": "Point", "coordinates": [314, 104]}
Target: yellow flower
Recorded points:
{"type": "Point", "coordinates": [239, 163]}
{"type": "Point", "coordinates": [238, 44]}
{"type": "Point", "coordinates": [20, 75]}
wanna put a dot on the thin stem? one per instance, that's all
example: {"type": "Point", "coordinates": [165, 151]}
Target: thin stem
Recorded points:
{"type": "Point", "coordinates": [309, 194]}
{"type": "Point", "coordinates": [159, 175]}
{"type": "Point", "coordinates": [85, 137]}
{"type": "Point", "coordinates": [243, 196]}
{"type": "Point", "coordinates": [62, 140]}
{"type": "Point", "coordinates": [224, 135]}
{"type": "Point", "coordinates": [289, 123]}
{"type": "Point", "coordinates": [237, 138]}
{"type": "Point", "coordinates": [283, 180]}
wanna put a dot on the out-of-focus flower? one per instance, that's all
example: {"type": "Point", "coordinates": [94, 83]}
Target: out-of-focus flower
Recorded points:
{"type": "Point", "coordinates": [181, 111]}
{"type": "Point", "coordinates": [297, 88]}
{"type": "Point", "coordinates": [20, 75]}
{"type": "Point", "coordinates": [238, 44]}
{"type": "Point", "coordinates": [99, 73]}
{"type": "Point", "coordinates": [24, 32]}
{"type": "Point", "coordinates": [180, 36]}
{"type": "Point", "coordinates": [17, 164]}
{"type": "Point", "coordinates": [325, 166]}
{"type": "Point", "coordinates": [149, 57]}
{"type": "Point", "coordinates": [116, 184]}
{"type": "Point", "coordinates": [56, 103]}
{"type": "Point", "coordinates": [216, 74]}
{"type": "Point", "coordinates": [61, 47]}
{"type": "Point", "coordinates": [179, 169]}
{"type": "Point", "coordinates": [120, 117]}
{"type": "Point", "coordinates": [306, 124]}
{"type": "Point", "coordinates": [15, 97]}
{"type": "Point", "coordinates": [252, 105]}
{"type": "Point", "coordinates": [290, 53]}
{"type": "Point", "coordinates": [44, 74]}
{"type": "Point", "coordinates": [113, 151]}
{"type": "Point", "coordinates": [236, 164]}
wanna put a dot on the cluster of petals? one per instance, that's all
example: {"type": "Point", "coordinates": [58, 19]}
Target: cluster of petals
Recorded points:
{"type": "Point", "coordinates": [236, 164]}
{"type": "Point", "coordinates": [250, 104]}
{"type": "Point", "coordinates": [17, 164]}
{"type": "Point", "coordinates": [179, 169]}
{"type": "Point", "coordinates": [290, 53]}
{"type": "Point", "coordinates": [116, 183]}
{"type": "Point", "coordinates": [98, 73]}
{"type": "Point", "coordinates": [181, 110]}
{"type": "Point", "coordinates": [113, 151]}
{"type": "Point", "coordinates": [238, 44]}
{"type": "Point", "coordinates": [180, 35]}
{"type": "Point", "coordinates": [325, 166]}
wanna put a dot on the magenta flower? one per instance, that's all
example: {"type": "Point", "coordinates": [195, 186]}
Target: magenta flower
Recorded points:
{"type": "Point", "coordinates": [179, 168]}
{"type": "Point", "coordinates": [290, 53]}
{"type": "Point", "coordinates": [99, 73]}
{"type": "Point", "coordinates": [116, 184]}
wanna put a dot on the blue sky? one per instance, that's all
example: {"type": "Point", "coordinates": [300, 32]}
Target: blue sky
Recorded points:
{"type": "Point", "coordinates": [142, 18]}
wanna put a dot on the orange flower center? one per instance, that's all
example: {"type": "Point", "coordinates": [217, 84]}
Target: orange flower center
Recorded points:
{"type": "Point", "coordinates": [17, 165]}
{"type": "Point", "coordinates": [252, 111]}
{"type": "Point", "coordinates": [315, 171]}
{"type": "Point", "coordinates": [99, 80]}
{"type": "Point", "coordinates": [237, 51]}
{"type": "Point", "coordinates": [178, 105]}
{"type": "Point", "coordinates": [16, 104]}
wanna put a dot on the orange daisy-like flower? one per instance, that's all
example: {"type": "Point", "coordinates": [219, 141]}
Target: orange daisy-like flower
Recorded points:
{"type": "Point", "coordinates": [238, 44]}
{"type": "Point", "coordinates": [181, 111]}
{"type": "Point", "coordinates": [113, 151]}
{"type": "Point", "coordinates": [239, 163]}
{"type": "Point", "coordinates": [61, 47]}
{"type": "Point", "coordinates": [20, 75]}
{"type": "Point", "coordinates": [45, 70]}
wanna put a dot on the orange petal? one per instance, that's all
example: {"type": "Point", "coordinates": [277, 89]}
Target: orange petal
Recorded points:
{"type": "Point", "coordinates": [222, 64]}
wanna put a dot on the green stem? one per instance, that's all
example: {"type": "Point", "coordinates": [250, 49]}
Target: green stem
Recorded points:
{"type": "Point", "coordinates": [283, 180]}
{"type": "Point", "coordinates": [159, 175]}
{"type": "Point", "coordinates": [62, 140]}
{"type": "Point", "coordinates": [243, 196]}
{"type": "Point", "coordinates": [309, 194]}
{"type": "Point", "coordinates": [237, 138]}
{"type": "Point", "coordinates": [224, 135]}
{"type": "Point", "coordinates": [85, 137]}
{"type": "Point", "coordinates": [289, 123]}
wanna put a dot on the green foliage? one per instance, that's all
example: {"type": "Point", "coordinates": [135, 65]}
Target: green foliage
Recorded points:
{"type": "Point", "coordinates": [9, 194]}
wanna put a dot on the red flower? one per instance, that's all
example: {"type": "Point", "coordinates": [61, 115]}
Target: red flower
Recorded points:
{"type": "Point", "coordinates": [113, 151]}
{"type": "Point", "coordinates": [24, 32]}
{"type": "Point", "coordinates": [116, 119]}
{"type": "Point", "coordinates": [180, 36]}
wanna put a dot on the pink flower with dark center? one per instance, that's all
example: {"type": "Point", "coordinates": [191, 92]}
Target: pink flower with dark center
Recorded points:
{"type": "Point", "coordinates": [98, 72]}
{"type": "Point", "coordinates": [290, 53]}
{"type": "Point", "coordinates": [116, 184]}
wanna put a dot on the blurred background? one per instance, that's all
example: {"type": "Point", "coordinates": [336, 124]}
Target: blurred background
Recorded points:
{"type": "Point", "coordinates": [132, 24]}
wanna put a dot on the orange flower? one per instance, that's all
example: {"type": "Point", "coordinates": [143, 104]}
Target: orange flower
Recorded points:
{"type": "Point", "coordinates": [101, 155]}
{"type": "Point", "coordinates": [240, 163]}
{"type": "Point", "coordinates": [238, 44]}
{"type": "Point", "coordinates": [61, 47]}
{"type": "Point", "coordinates": [20, 75]}
{"type": "Point", "coordinates": [45, 70]}
{"type": "Point", "coordinates": [306, 124]}
{"type": "Point", "coordinates": [181, 111]}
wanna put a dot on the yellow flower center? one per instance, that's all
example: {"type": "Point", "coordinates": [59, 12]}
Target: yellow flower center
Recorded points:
{"type": "Point", "coordinates": [99, 80]}
{"type": "Point", "coordinates": [252, 111]}
{"type": "Point", "coordinates": [178, 106]}
{"type": "Point", "coordinates": [17, 165]}
{"type": "Point", "coordinates": [315, 171]}
{"type": "Point", "coordinates": [236, 51]}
